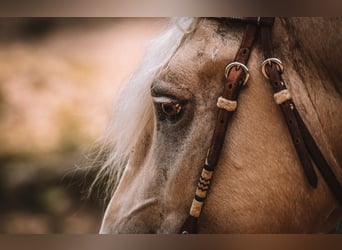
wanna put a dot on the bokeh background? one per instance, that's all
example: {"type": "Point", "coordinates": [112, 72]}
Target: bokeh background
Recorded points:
{"type": "Point", "coordinates": [58, 82]}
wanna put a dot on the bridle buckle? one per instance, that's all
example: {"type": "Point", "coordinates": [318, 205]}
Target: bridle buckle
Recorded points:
{"type": "Point", "coordinates": [269, 61]}
{"type": "Point", "coordinates": [237, 65]}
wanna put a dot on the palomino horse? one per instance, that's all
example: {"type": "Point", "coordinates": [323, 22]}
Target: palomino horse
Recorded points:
{"type": "Point", "coordinates": [164, 122]}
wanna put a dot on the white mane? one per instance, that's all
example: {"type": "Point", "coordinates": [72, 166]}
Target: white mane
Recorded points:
{"type": "Point", "coordinates": [133, 109]}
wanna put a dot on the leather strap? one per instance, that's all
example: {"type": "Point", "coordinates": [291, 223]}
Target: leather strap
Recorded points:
{"type": "Point", "coordinates": [321, 163]}
{"type": "Point", "coordinates": [234, 82]}
{"type": "Point", "coordinates": [287, 108]}
{"type": "Point", "coordinates": [261, 21]}
{"type": "Point", "coordinates": [303, 141]}
{"type": "Point", "coordinates": [231, 90]}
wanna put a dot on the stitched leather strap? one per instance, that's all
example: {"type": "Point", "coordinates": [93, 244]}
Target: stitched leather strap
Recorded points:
{"type": "Point", "coordinates": [234, 83]}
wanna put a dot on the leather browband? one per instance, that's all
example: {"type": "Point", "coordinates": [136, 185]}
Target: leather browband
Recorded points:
{"type": "Point", "coordinates": [304, 143]}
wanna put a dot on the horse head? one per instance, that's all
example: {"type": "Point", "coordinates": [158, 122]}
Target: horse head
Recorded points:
{"type": "Point", "coordinates": [164, 121]}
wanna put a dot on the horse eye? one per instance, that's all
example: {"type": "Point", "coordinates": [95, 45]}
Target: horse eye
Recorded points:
{"type": "Point", "coordinates": [167, 108]}
{"type": "Point", "coordinates": [171, 109]}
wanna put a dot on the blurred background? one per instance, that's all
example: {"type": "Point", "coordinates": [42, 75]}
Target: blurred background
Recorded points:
{"type": "Point", "coordinates": [58, 81]}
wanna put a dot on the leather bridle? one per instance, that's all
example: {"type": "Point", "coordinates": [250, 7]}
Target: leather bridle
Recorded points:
{"type": "Point", "coordinates": [237, 75]}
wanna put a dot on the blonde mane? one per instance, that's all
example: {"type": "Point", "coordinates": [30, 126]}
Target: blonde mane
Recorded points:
{"type": "Point", "coordinates": [133, 109]}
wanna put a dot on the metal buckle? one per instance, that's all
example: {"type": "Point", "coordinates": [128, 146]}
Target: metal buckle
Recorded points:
{"type": "Point", "coordinates": [279, 64]}
{"type": "Point", "coordinates": [237, 65]}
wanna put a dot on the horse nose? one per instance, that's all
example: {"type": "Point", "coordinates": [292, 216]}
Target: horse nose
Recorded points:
{"type": "Point", "coordinates": [142, 217]}
{"type": "Point", "coordinates": [144, 223]}
{"type": "Point", "coordinates": [127, 227]}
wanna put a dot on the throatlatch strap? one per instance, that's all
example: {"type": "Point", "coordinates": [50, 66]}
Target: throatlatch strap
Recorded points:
{"type": "Point", "coordinates": [236, 77]}
{"type": "Point", "coordinates": [302, 139]}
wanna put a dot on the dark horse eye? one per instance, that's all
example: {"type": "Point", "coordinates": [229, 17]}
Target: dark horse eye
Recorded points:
{"type": "Point", "coordinates": [171, 109]}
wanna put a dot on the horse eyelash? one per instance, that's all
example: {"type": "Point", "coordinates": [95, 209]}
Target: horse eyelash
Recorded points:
{"type": "Point", "coordinates": [162, 112]}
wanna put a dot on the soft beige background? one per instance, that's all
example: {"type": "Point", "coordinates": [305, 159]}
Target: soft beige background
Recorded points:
{"type": "Point", "coordinates": [58, 83]}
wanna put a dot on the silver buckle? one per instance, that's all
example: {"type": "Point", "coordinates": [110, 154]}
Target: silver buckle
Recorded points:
{"type": "Point", "coordinates": [237, 65]}
{"type": "Point", "coordinates": [269, 61]}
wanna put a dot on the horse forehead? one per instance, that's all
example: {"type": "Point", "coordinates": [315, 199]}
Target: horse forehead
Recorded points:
{"type": "Point", "coordinates": [203, 54]}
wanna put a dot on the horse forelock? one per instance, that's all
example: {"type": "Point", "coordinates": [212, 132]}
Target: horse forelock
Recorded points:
{"type": "Point", "coordinates": [133, 111]}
